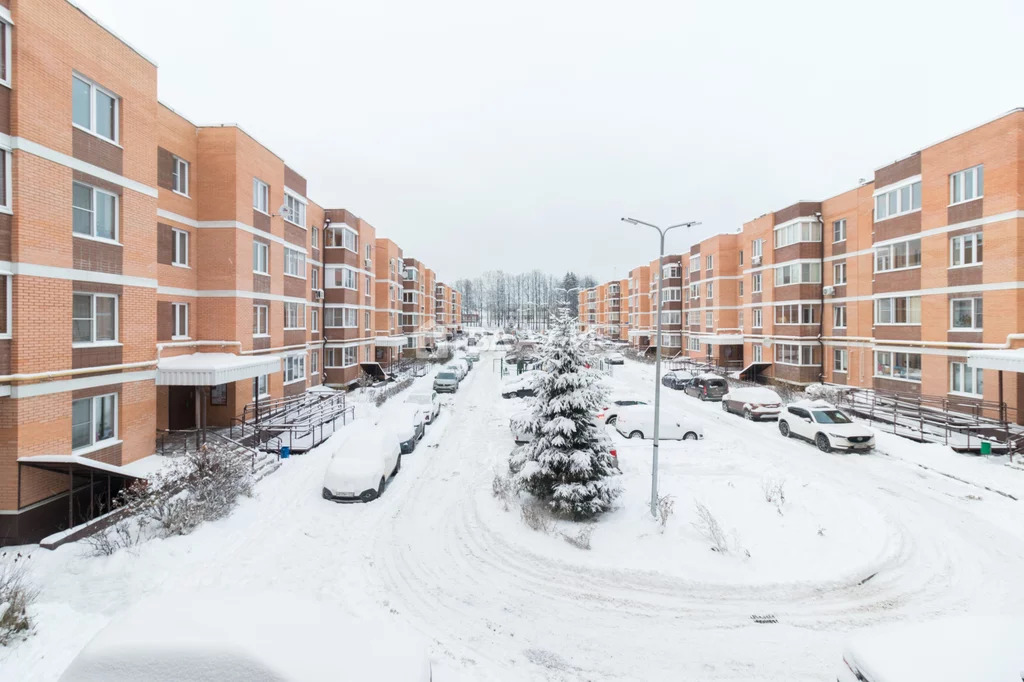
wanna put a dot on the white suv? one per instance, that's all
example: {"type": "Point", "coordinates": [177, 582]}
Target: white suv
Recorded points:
{"type": "Point", "coordinates": [826, 426]}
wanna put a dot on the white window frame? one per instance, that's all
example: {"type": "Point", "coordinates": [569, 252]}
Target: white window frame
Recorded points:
{"type": "Point", "coordinates": [92, 317]}
{"type": "Point", "coordinates": [294, 263]}
{"type": "Point", "coordinates": [755, 283]}
{"type": "Point", "coordinates": [739, 288]}
{"type": "Point", "coordinates": [969, 180]}
{"type": "Point", "coordinates": [840, 360]}
{"type": "Point", "coordinates": [959, 373]}
{"type": "Point", "coordinates": [5, 26]}
{"type": "Point", "coordinates": [92, 222]}
{"type": "Point", "coordinates": [6, 197]}
{"type": "Point", "coordinates": [95, 87]}
{"type": "Point", "coordinates": [330, 278]}
{"type": "Point", "coordinates": [314, 362]}
{"type": "Point", "coordinates": [709, 288]}
{"type": "Point", "coordinates": [297, 311]}
{"type": "Point", "coordinates": [796, 232]}
{"type": "Point", "coordinates": [837, 270]}
{"type": "Point", "coordinates": [672, 294]}
{"type": "Point", "coordinates": [893, 355]}
{"type": "Point", "coordinates": [260, 256]}
{"type": "Point", "coordinates": [796, 313]}
{"type": "Point", "coordinates": [349, 317]}
{"type": "Point", "coordinates": [805, 354]}
{"type": "Point", "coordinates": [179, 176]}
{"type": "Point", "coordinates": [756, 248]}
{"type": "Point", "coordinates": [757, 318]}
{"type": "Point", "coordinates": [977, 311]}
{"type": "Point", "coordinates": [294, 204]}
{"type": "Point", "coordinates": [839, 316]}
{"type": "Point", "coordinates": [671, 317]}
{"type": "Point", "coordinates": [757, 352]}
{"type": "Point", "coordinates": [294, 367]}
{"type": "Point", "coordinates": [178, 249]}
{"type": "Point", "coordinates": [261, 196]}
{"type": "Point", "coordinates": [709, 319]}
{"type": "Point", "coordinates": [260, 320]}
{"type": "Point", "coordinates": [260, 387]}
{"type": "Point", "coordinates": [895, 195]}
{"type": "Point", "coordinates": [314, 319]}
{"type": "Point", "coordinates": [908, 306]}
{"type": "Point", "coordinates": [839, 228]}
{"type": "Point", "coordinates": [957, 249]}
{"type": "Point", "coordinates": [804, 274]}
{"type": "Point", "coordinates": [694, 291]}
{"type": "Point", "coordinates": [314, 238]}
{"type": "Point", "coordinates": [891, 251]}
{"type": "Point", "coordinates": [709, 262]}
{"type": "Point", "coordinates": [179, 333]}
{"type": "Point", "coordinates": [344, 354]}
{"type": "Point", "coordinates": [693, 343]}
{"type": "Point", "coordinates": [94, 407]}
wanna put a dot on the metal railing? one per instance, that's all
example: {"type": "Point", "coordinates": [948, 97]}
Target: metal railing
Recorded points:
{"type": "Point", "coordinates": [288, 421]}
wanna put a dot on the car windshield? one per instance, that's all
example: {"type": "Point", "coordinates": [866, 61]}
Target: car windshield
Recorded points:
{"type": "Point", "coordinates": [449, 376]}
{"type": "Point", "coordinates": [831, 417]}
{"type": "Point", "coordinates": [716, 383]}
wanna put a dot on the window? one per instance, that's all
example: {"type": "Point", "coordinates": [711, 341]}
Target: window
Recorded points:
{"type": "Point", "coordinates": [409, 296]}
{"type": "Point", "coordinates": [967, 185]}
{"type": "Point", "coordinates": [314, 278]}
{"type": "Point", "coordinates": [260, 195]}
{"type": "Point", "coordinates": [709, 262]}
{"type": "Point", "coordinates": [341, 317]}
{"type": "Point", "coordinates": [892, 365]}
{"type": "Point", "coordinates": [180, 320]}
{"type": "Point", "coordinates": [755, 318]}
{"type": "Point", "coordinates": [898, 201]}
{"type": "Point", "coordinates": [739, 319]}
{"type": "Point", "coordinates": [758, 353]}
{"type": "Point", "coordinates": [294, 263]}
{"type": "Point", "coordinates": [671, 340]}
{"type": "Point", "coordinates": [294, 368]}
{"type": "Point", "coordinates": [673, 294]}
{"type": "Point", "coordinates": [93, 318]}
{"type": "Point", "coordinates": [839, 360]}
{"type": "Point", "coordinates": [180, 257]}
{"type": "Point", "coordinates": [693, 318]}
{"type": "Point", "coordinates": [342, 277]}
{"type": "Point", "coordinates": [695, 263]}
{"type": "Point", "coordinates": [839, 316]}
{"type": "Point", "coordinates": [259, 320]}
{"type": "Point", "coordinates": [898, 310]}
{"type": "Point", "coordinates": [260, 258]}
{"type": "Point", "coordinates": [314, 362]}
{"type": "Point", "coordinates": [965, 379]}
{"type": "Point", "coordinates": [179, 175]}
{"type": "Point", "coordinates": [709, 319]}
{"type": "Point", "coordinates": [793, 354]}
{"type": "Point", "coordinates": [93, 108]}
{"type": "Point", "coordinates": [739, 290]}
{"type": "Point", "coordinates": [755, 248]}
{"type": "Point", "coordinates": [94, 212]}
{"type": "Point", "coordinates": [965, 250]}
{"type": "Point", "coordinates": [259, 387]}
{"type": "Point", "coordinates": [294, 210]}
{"type": "Point", "coordinates": [965, 313]}
{"type": "Point", "coordinates": [369, 255]}
{"type": "Point", "coordinates": [755, 283]}
{"type": "Point", "coordinates": [670, 271]}
{"type": "Point", "coordinates": [801, 231]}
{"type": "Point", "coordinates": [794, 313]}
{"type": "Point", "coordinates": [93, 421]}
{"type": "Point", "coordinates": [342, 237]}
{"type": "Point", "coordinates": [694, 291]}
{"type": "Point", "coordinates": [671, 317]}
{"type": "Point", "coordinates": [798, 273]}
{"type": "Point", "coordinates": [341, 357]}
{"type": "Point", "coordinates": [900, 256]}
{"type": "Point", "coordinates": [741, 258]}
{"type": "Point", "coordinates": [366, 320]}
{"type": "Point", "coordinates": [314, 319]}
{"type": "Point", "coordinates": [710, 288]}
{"type": "Point", "coordinates": [366, 286]}
{"type": "Point", "coordinates": [314, 238]}
{"type": "Point", "coordinates": [839, 231]}
{"type": "Point", "coordinates": [5, 53]}
{"type": "Point", "coordinates": [294, 315]}
{"type": "Point", "coordinates": [839, 273]}
{"type": "Point", "coordinates": [693, 343]}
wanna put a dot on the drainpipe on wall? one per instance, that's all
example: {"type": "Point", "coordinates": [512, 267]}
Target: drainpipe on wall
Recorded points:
{"type": "Point", "coordinates": [323, 303]}
{"type": "Point", "coordinates": [821, 289]}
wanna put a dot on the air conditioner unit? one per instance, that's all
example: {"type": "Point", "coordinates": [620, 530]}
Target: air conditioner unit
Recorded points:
{"type": "Point", "coordinates": [828, 291]}
{"type": "Point", "coordinates": [318, 294]}
{"type": "Point", "coordinates": [368, 262]}
{"type": "Point", "coordinates": [755, 260]}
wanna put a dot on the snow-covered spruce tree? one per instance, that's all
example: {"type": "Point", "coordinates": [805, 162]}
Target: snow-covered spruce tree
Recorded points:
{"type": "Point", "coordinates": [567, 464]}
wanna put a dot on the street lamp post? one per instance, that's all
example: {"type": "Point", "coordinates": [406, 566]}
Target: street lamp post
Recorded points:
{"type": "Point", "coordinates": [657, 362]}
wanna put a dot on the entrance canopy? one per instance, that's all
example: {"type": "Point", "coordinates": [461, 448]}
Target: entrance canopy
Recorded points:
{"type": "Point", "coordinates": [374, 370]}
{"type": "Point", "coordinates": [77, 464]}
{"type": "Point", "coordinates": [722, 339]}
{"type": "Point", "coordinates": [211, 369]}
{"type": "Point", "coordinates": [390, 341]}
{"type": "Point", "coordinates": [1004, 360]}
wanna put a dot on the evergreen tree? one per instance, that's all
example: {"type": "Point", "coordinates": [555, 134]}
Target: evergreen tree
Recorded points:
{"type": "Point", "coordinates": [567, 464]}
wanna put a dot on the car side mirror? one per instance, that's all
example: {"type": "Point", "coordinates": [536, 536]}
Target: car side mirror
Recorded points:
{"type": "Point", "coordinates": [807, 419]}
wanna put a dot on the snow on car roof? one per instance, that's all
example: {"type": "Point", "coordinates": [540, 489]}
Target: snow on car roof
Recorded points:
{"type": "Point", "coordinates": [755, 394]}
{"type": "Point", "coordinates": [814, 404]}
{"type": "Point", "coordinates": [711, 375]}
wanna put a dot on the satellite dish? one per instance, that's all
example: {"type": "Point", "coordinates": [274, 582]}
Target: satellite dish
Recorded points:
{"type": "Point", "coordinates": [767, 343]}
{"type": "Point", "coordinates": [283, 210]}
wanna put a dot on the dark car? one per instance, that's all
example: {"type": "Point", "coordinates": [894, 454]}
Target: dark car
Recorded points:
{"type": "Point", "coordinates": [707, 387]}
{"type": "Point", "coordinates": [471, 341]}
{"type": "Point", "coordinates": [676, 379]}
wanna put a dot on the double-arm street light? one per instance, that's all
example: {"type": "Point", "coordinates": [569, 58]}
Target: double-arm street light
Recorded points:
{"type": "Point", "coordinates": [657, 362]}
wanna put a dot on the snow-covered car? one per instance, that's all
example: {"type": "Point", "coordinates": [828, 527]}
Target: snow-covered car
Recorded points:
{"type": "Point", "coordinates": [638, 422]}
{"type": "Point", "coordinates": [426, 401]}
{"type": "Point", "coordinates": [826, 426]}
{"type": "Point", "coordinates": [707, 386]}
{"type": "Point", "coordinates": [753, 402]}
{"type": "Point", "coordinates": [409, 424]}
{"type": "Point", "coordinates": [446, 381]}
{"type": "Point", "coordinates": [610, 413]}
{"type": "Point", "coordinates": [235, 635]}
{"type": "Point", "coordinates": [521, 435]}
{"type": "Point", "coordinates": [676, 379]}
{"type": "Point", "coordinates": [615, 359]}
{"type": "Point", "coordinates": [460, 367]}
{"type": "Point", "coordinates": [359, 470]}
{"type": "Point", "coordinates": [955, 649]}
{"type": "Point", "coordinates": [521, 385]}
{"type": "Point", "coordinates": [473, 355]}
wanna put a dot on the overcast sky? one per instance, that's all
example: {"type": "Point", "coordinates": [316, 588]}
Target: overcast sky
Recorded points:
{"type": "Point", "coordinates": [481, 135]}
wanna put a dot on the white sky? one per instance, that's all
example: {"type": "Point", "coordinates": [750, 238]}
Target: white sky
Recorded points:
{"type": "Point", "coordinates": [482, 135]}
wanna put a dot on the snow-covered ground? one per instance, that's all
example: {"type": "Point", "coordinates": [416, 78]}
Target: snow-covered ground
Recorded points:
{"type": "Point", "coordinates": [861, 540]}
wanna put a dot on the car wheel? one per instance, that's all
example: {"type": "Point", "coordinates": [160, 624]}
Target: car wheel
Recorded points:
{"type": "Point", "coordinates": [821, 440]}
{"type": "Point", "coordinates": [611, 420]}
{"type": "Point", "coordinates": [725, 406]}
{"type": "Point", "coordinates": [702, 397]}
{"type": "Point", "coordinates": [784, 428]}
{"type": "Point", "coordinates": [371, 495]}
{"type": "Point", "coordinates": [748, 415]}
{"type": "Point", "coordinates": [690, 435]}
{"type": "Point", "coordinates": [635, 434]}
{"type": "Point", "coordinates": [398, 466]}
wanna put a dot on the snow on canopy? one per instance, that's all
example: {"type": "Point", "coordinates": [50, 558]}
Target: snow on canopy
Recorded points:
{"type": "Point", "coordinates": [568, 463]}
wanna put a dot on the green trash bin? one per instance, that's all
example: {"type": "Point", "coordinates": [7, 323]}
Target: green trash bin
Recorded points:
{"type": "Point", "coordinates": [986, 447]}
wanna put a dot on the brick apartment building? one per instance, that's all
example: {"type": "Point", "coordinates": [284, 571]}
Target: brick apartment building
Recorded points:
{"type": "Point", "coordinates": [447, 310]}
{"type": "Point", "coordinates": [184, 270]}
{"type": "Point", "coordinates": [883, 286]}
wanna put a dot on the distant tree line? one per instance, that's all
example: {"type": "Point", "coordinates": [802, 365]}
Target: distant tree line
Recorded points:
{"type": "Point", "coordinates": [527, 299]}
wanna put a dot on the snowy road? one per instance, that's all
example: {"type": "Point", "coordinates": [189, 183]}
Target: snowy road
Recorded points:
{"type": "Point", "coordinates": [499, 601]}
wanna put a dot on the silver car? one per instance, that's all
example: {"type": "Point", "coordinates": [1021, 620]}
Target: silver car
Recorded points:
{"type": "Point", "coordinates": [446, 382]}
